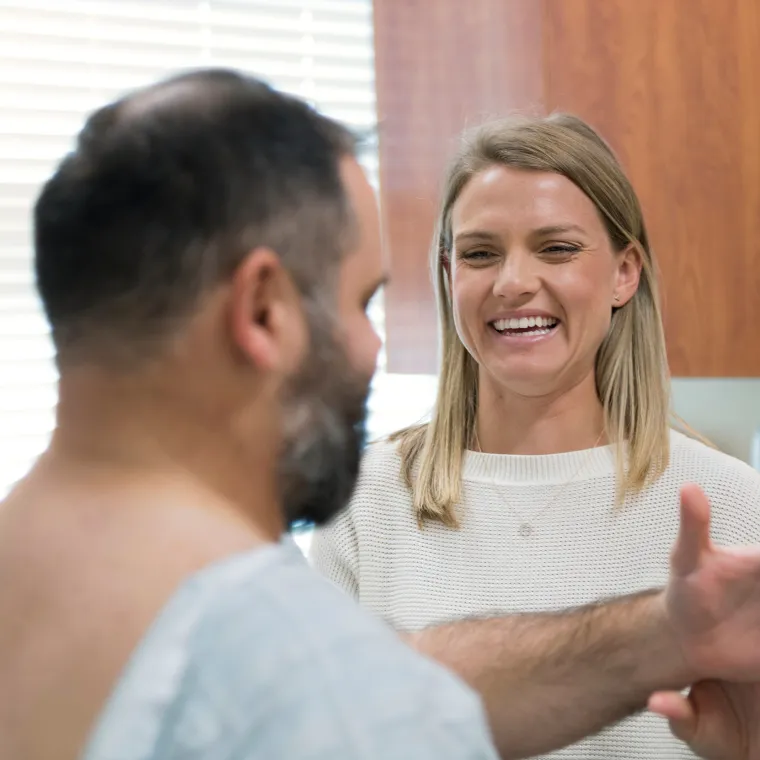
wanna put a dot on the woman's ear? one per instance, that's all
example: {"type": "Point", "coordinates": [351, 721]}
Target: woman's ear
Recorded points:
{"type": "Point", "coordinates": [627, 275]}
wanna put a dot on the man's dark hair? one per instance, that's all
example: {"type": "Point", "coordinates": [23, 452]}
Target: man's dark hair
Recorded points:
{"type": "Point", "coordinates": [166, 192]}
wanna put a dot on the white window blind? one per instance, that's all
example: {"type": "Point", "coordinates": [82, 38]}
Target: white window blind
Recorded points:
{"type": "Point", "coordinates": [61, 59]}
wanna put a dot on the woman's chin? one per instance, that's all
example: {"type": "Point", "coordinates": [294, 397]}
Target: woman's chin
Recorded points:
{"type": "Point", "coordinates": [524, 378]}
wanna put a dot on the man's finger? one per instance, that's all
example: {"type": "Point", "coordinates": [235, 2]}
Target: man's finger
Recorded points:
{"type": "Point", "coordinates": [679, 712]}
{"type": "Point", "coordinates": [694, 534]}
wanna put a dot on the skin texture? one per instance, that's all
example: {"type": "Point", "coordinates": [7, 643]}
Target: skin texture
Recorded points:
{"type": "Point", "coordinates": [720, 721]}
{"type": "Point", "coordinates": [533, 242]}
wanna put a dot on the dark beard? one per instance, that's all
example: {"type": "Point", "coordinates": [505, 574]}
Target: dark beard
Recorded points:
{"type": "Point", "coordinates": [325, 418]}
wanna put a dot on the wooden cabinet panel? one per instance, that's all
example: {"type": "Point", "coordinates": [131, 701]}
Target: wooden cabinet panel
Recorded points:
{"type": "Point", "coordinates": [439, 66]}
{"type": "Point", "coordinates": [670, 83]}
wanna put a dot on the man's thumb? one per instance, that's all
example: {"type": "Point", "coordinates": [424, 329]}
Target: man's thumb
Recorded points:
{"type": "Point", "coordinates": [679, 712]}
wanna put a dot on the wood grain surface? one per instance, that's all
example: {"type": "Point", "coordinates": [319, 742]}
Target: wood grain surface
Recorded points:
{"type": "Point", "coordinates": [673, 86]}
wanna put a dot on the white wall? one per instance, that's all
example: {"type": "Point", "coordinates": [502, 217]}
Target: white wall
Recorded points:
{"type": "Point", "coordinates": [725, 410]}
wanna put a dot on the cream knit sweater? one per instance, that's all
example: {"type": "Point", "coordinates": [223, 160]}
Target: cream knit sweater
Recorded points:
{"type": "Point", "coordinates": [581, 548]}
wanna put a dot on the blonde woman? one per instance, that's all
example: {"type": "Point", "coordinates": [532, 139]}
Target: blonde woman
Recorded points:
{"type": "Point", "coordinates": [549, 475]}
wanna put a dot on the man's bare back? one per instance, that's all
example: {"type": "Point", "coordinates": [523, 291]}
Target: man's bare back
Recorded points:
{"type": "Point", "coordinates": [90, 572]}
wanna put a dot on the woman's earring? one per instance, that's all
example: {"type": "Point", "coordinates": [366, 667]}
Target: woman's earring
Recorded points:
{"type": "Point", "coordinates": [617, 298]}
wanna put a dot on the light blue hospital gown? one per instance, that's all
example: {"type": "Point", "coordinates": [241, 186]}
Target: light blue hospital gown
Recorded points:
{"type": "Point", "coordinates": [259, 658]}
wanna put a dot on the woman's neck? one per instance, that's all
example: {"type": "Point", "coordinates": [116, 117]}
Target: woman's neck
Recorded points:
{"type": "Point", "coordinates": [508, 423]}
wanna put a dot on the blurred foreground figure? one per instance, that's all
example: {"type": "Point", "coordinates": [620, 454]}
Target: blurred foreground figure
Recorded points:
{"type": "Point", "coordinates": [205, 257]}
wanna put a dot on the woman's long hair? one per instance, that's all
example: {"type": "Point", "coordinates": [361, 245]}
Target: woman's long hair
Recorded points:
{"type": "Point", "coordinates": [632, 377]}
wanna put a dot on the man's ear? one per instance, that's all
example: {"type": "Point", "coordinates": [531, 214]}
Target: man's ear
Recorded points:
{"type": "Point", "coordinates": [266, 317]}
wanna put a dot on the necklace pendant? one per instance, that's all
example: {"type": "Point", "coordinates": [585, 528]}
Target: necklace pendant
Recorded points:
{"type": "Point", "coordinates": [525, 530]}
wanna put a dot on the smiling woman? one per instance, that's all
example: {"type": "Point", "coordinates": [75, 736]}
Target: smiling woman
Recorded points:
{"type": "Point", "coordinates": [548, 476]}
{"type": "Point", "coordinates": [538, 220]}
{"type": "Point", "coordinates": [564, 275]}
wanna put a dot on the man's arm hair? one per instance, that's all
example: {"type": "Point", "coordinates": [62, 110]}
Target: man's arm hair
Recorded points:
{"type": "Point", "coordinates": [548, 680]}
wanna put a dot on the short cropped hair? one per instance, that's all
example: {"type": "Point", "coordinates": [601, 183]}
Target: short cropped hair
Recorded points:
{"type": "Point", "coordinates": [165, 193]}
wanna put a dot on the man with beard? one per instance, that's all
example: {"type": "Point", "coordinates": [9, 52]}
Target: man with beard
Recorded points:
{"type": "Point", "coordinates": [205, 257]}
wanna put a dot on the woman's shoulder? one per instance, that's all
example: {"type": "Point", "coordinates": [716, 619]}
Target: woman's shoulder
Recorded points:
{"type": "Point", "coordinates": [381, 463]}
{"type": "Point", "coordinates": [380, 505]}
{"type": "Point", "coordinates": [690, 454]}
{"type": "Point", "coordinates": [732, 486]}
{"type": "Point", "coordinates": [381, 477]}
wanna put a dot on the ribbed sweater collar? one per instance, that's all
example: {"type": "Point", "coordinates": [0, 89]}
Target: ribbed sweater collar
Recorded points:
{"type": "Point", "coordinates": [539, 469]}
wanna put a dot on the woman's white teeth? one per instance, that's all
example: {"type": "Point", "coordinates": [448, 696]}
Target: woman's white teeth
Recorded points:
{"type": "Point", "coordinates": [524, 322]}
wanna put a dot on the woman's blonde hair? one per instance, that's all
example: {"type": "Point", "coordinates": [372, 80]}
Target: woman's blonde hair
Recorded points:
{"type": "Point", "coordinates": [632, 377]}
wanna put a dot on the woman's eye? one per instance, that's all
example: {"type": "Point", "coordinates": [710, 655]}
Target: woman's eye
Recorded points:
{"type": "Point", "coordinates": [476, 255]}
{"type": "Point", "coordinates": [561, 249]}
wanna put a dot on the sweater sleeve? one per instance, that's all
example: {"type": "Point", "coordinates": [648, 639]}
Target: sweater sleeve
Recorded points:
{"type": "Point", "coordinates": [334, 553]}
{"type": "Point", "coordinates": [732, 487]}
{"type": "Point", "coordinates": [735, 499]}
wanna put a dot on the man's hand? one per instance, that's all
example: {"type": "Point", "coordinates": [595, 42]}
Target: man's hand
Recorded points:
{"type": "Point", "coordinates": [713, 598]}
{"type": "Point", "coordinates": [718, 721]}
{"type": "Point", "coordinates": [580, 670]}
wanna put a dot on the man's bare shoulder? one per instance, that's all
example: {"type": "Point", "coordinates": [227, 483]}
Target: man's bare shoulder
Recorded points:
{"type": "Point", "coordinates": [85, 571]}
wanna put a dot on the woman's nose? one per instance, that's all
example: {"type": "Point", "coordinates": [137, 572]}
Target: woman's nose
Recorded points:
{"type": "Point", "coordinates": [517, 276]}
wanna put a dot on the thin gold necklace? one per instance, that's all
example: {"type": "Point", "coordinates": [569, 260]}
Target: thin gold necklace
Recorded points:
{"type": "Point", "coordinates": [526, 528]}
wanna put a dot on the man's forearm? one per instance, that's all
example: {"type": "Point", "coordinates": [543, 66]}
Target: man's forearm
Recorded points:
{"type": "Point", "coordinates": [548, 680]}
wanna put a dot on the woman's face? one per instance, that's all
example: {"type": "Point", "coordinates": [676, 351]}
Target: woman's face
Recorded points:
{"type": "Point", "coordinates": [534, 279]}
